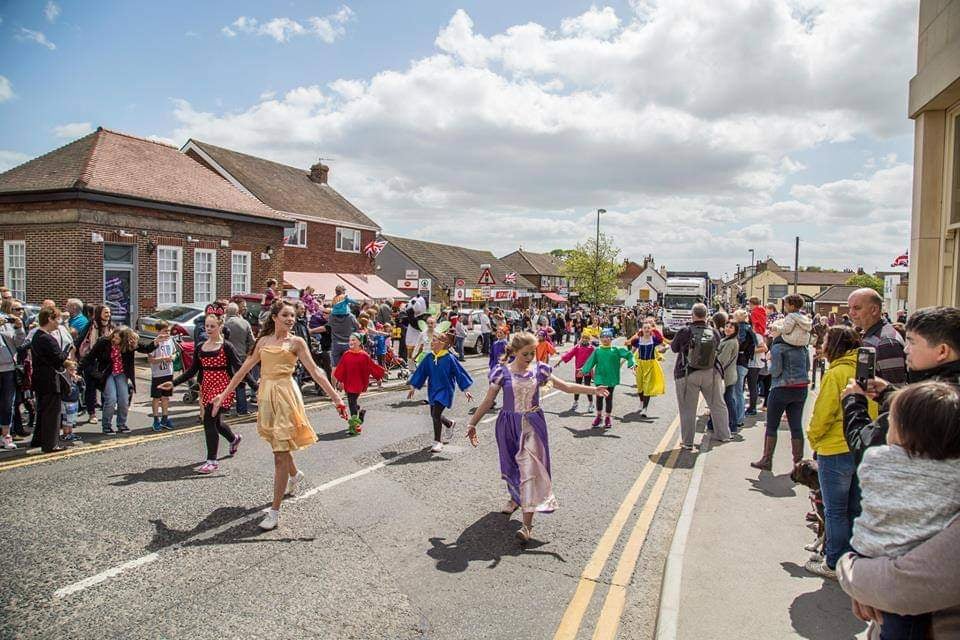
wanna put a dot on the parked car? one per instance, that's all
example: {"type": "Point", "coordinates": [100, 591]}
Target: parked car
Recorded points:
{"type": "Point", "coordinates": [474, 339]}
{"type": "Point", "coordinates": [180, 316]}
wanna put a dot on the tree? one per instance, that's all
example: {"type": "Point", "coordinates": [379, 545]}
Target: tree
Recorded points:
{"type": "Point", "coordinates": [597, 272]}
{"type": "Point", "coordinates": [865, 280]}
{"type": "Point", "coordinates": [562, 254]}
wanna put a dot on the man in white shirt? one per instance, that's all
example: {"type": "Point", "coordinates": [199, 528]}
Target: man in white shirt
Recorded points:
{"type": "Point", "coordinates": [485, 329]}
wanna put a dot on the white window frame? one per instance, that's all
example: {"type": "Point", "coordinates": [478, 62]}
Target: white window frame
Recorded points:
{"type": "Point", "coordinates": [10, 281]}
{"type": "Point", "coordinates": [341, 231]}
{"type": "Point", "coordinates": [300, 228]}
{"type": "Point", "coordinates": [213, 274]}
{"type": "Point", "coordinates": [233, 274]}
{"type": "Point", "coordinates": [179, 296]}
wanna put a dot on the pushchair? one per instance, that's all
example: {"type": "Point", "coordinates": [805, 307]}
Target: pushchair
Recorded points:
{"type": "Point", "coordinates": [393, 363]}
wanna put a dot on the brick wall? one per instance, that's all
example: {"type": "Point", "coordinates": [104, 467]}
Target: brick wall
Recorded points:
{"type": "Point", "coordinates": [321, 255]}
{"type": "Point", "coordinates": [64, 262]}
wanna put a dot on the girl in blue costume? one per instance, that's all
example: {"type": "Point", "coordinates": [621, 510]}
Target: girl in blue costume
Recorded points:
{"type": "Point", "coordinates": [442, 372]}
{"type": "Point", "coordinates": [521, 428]}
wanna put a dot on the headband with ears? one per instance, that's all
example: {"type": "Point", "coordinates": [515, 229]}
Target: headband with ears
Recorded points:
{"type": "Point", "coordinates": [214, 309]}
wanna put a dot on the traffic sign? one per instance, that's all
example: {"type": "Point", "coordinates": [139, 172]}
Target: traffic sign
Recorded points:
{"type": "Point", "coordinates": [425, 284]}
{"type": "Point", "coordinates": [412, 274]}
{"type": "Point", "coordinates": [461, 283]}
{"type": "Point", "coordinates": [406, 284]}
{"type": "Point", "coordinates": [458, 295]}
{"type": "Point", "coordinates": [485, 292]}
{"type": "Point", "coordinates": [486, 278]}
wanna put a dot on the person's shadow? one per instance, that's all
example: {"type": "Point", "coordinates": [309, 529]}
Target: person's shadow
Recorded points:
{"type": "Point", "coordinates": [774, 486]}
{"type": "Point", "coordinates": [592, 432]}
{"type": "Point", "coordinates": [417, 457]}
{"type": "Point", "coordinates": [489, 539]}
{"type": "Point", "coordinates": [162, 474]}
{"type": "Point", "coordinates": [244, 531]}
{"type": "Point", "coordinates": [825, 614]}
{"type": "Point", "coordinates": [636, 417]}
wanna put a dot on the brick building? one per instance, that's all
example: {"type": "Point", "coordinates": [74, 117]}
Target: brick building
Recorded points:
{"type": "Point", "coordinates": [134, 222]}
{"type": "Point", "coordinates": [545, 271]}
{"type": "Point", "coordinates": [325, 240]}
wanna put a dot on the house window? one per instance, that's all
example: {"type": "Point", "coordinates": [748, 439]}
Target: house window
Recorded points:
{"type": "Point", "coordinates": [348, 240]}
{"type": "Point", "coordinates": [204, 275]}
{"type": "Point", "coordinates": [777, 291]}
{"type": "Point", "coordinates": [15, 267]}
{"type": "Point", "coordinates": [239, 272]}
{"type": "Point", "coordinates": [295, 236]}
{"type": "Point", "coordinates": [649, 278]}
{"type": "Point", "coordinates": [169, 275]}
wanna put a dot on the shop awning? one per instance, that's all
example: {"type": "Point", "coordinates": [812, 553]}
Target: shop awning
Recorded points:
{"type": "Point", "coordinates": [554, 296]}
{"type": "Point", "coordinates": [359, 287]}
{"type": "Point", "coordinates": [374, 287]}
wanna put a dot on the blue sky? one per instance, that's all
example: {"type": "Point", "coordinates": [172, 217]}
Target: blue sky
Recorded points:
{"type": "Point", "coordinates": [704, 128]}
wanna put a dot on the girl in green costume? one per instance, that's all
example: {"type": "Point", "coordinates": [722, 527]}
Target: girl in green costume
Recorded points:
{"type": "Point", "coordinates": [606, 363]}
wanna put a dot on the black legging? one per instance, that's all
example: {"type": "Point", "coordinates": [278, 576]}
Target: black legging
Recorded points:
{"type": "Point", "coordinates": [584, 379]}
{"type": "Point", "coordinates": [821, 365]}
{"type": "Point", "coordinates": [644, 401]}
{"type": "Point", "coordinates": [753, 374]}
{"type": "Point", "coordinates": [353, 401]}
{"type": "Point", "coordinates": [439, 421]}
{"type": "Point", "coordinates": [608, 399]}
{"type": "Point", "coordinates": [213, 428]}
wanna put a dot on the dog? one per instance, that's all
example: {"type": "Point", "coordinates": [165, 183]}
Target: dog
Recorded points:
{"type": "Point", "coordinates": [805, 473]}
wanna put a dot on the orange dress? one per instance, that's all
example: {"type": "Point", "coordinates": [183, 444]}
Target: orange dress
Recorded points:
{"type": "Point", "coordinates": [545, 349]}
{"type": "Point", "coordinates": [282, 418]}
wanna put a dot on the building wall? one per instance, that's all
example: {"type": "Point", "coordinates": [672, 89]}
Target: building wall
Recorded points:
{"type": "Point", "coordinates": [64, 262]}
{"type": "Point", "coordinates": [934, 104]}
{"type": "Point", "coordinates": [321, 255]}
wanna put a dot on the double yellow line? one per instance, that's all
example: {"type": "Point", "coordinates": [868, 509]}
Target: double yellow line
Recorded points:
{"type": "Point", "coordinates": [613, 605]}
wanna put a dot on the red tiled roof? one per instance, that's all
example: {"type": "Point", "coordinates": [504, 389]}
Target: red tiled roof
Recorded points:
{"type": "Point", "coordinates": [120, 164]}
{"type": "Point", "coordinates": [543, 264]}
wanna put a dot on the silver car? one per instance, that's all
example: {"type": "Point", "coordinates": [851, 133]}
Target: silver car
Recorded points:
{"type": "Point", "coordinates": [181, 318]}
{"type": "Point", "coordinates": [474, 339]}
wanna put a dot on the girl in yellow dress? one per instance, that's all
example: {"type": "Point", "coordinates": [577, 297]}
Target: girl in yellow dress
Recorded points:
{"type": "Point", "coordinates": [282, 419]}
{"type": "Point", "coordinates": [649, 373]}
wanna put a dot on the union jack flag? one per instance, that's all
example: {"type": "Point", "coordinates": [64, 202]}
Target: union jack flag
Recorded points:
{"type": "Point", "coordinates": [510, 278]}
{"type": "Point", "coordinates": [374, 247]}
{"type": "Point", "coordinates": [903, 260]}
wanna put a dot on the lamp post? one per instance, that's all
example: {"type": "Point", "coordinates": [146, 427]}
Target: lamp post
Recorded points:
{"type": "Point", "coordinates": [753, 270]}
{"type": "Point", "coordinates": [596, 266]}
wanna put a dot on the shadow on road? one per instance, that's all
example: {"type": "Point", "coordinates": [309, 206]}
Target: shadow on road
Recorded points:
{"type": "Point", "coordinates": [774, 486]}
{"type": "Point", "coordinates": [825, 614]}
{"type": "Point", "coordinates": [423, 455]}
{"type": "Point", "coordinates": [161, 474]}
{"type": "Point", "coordinates": [489, 539]}
{"type": "Point", "coordinates": [403, 404]}
{"type": "Point", "coordinates": [591, 432]}
{"type": "Point", "coordinates": [336, 435]}
{"type": "Point", "coordinates": [636, 417]}
{"type": "Point", "coordinates": [685, 459]}
{"type": "Point", "coordinates": [164, 536]}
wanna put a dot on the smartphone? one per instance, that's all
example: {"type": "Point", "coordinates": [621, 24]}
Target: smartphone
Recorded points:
{"type": "Point", "coordinates": [866, 366]}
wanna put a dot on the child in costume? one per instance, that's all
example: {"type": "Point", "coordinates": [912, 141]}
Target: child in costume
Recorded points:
{"type": "Point", "coordinates": [521, 429]}
{"type": "Point", "coordinates": [499, 347]}
{"type": "Point", "coordinates": [606, 360]}
{"type": "Point", "coordinates": [649, 373]}
{"type": "Point", "coordinates": [341, 302]}
{"type": "Point", "coordinates": [545, 347]}
{"type": "Point", "coordinates": [354, 372]}
{"type": "Point", "coordinates": [428, 329]}
{"type": "Point", "coordinates": [579, 354]}
{"type": "Point", "coordinates": [442, 372]}
{"type": "Point", "coordinates": [310, 301]}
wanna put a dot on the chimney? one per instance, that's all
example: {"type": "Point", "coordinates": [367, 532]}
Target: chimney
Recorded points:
{"type": "Point", "coordinates": [319, 173]}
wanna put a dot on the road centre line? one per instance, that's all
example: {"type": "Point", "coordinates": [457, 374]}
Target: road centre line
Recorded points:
{"type": "Point", "coordinates": [573, 616]}
{"type": "Point", "coordinates": [613, 605]}
{"type": "Point", "coordinates": [153, 557]}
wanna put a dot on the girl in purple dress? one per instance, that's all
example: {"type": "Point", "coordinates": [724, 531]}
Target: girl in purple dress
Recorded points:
{"type": "Point", "coordinates": [521, 428]}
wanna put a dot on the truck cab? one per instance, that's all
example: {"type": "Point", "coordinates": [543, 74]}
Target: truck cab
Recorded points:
{"type": "Point", "coordinates": [679, 296]}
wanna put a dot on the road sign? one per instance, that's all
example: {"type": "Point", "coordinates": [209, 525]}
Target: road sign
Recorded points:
{"type": "Point", "coordinates": [425, 284]}
{"type": "Point", "coordinates": [461, 283]}
{"type": "Point", "coordinates": [476, 295]}
{"type": "Point", "coordinates": [406, 284]}
{"type": "Point", "coordinates": [412, 274]}
{"type": "Point", "coordinates": [458, 295]}
{"type": "Point", "coordinates": [486, 278]}
{"type": "Point", "coordinates": [485, 292]}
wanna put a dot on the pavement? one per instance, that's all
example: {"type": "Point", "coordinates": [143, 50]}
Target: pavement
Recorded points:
{"type": "Point", "coordinates": [386, 540]}
{"type": "Point", "coordinates": [740, 572]}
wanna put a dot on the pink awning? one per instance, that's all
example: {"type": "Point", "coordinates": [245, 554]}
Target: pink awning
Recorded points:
{"type": "Point", "coordinates": [554, 296]}
{"type": "Point", "coordinates": [324, 283]}
{"type": "Point", "coordinates": [372, 286]}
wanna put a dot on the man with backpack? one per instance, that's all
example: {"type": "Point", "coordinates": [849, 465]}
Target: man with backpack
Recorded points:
{"type": "Point", "coordinates": [697, 373]}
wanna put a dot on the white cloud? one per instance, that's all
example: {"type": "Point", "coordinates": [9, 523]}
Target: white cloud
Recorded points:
{"type": "Point", "coordinates": [51, 11]}
{"type": "Point", "coordinates": [73, 130]}
{"type": "Point", "coordinates": [10, 159]}
{"type": "Point", "coordinates": [267, 95]}
{"type": "Point", "coordinates": [191, 34]}
{"type": "Point", "coordinates": [6, 89]}
{"type": "Point", "coordinates": [29, 35]}
{"type": "Point", "coordinates": [682, 128]}
{"type": "Point", "coordinates": [164, 140]}
{"type": "Point", "coordinates": [327, 28]}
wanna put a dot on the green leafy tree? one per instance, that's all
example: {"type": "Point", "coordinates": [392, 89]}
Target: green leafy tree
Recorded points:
{"type": "Point", "coordinates": [597, 272]}
{"type": "Point", "coordinates": [563, 254]}
{"type": "Point", "coordinates": [865, 280]}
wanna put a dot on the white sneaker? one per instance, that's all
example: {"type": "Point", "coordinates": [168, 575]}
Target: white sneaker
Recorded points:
{"type": "Point", "coordinates": [447, 433]}
{"type": "Point", "coordinates": [270, 522]}
{"type": "Point", "coordinates": [576, 407]}
{"type": "Point", "coordinates": [8, 443]}
{"type": "Point", "coordinates": [643, 413]}
{"type": "Point", "coordinates": [294, 482]}
{"type": "Point", "coordinates": [820, 568]}
{"type": "Point", "coordinates": [437, 447]}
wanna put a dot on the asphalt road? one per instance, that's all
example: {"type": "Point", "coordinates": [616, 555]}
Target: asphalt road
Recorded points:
{"type": "Point", "coordinates": [386, 540]}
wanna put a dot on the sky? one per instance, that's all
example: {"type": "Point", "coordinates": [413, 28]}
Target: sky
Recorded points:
{"type": "Point", "coordinates": [704, 128]}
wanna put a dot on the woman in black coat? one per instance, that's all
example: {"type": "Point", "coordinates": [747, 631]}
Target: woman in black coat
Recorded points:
{"type": "Point", "coordinates": [111, 363]}
{"type": "Point", "coordinates": [47, 359]}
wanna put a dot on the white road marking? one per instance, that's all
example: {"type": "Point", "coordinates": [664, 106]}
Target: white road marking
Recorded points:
{"type": "Point", "coordinates": [115, 571]}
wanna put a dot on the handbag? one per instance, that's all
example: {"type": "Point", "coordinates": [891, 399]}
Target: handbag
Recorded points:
{"type": "Point", "coordinates": [19, 371]}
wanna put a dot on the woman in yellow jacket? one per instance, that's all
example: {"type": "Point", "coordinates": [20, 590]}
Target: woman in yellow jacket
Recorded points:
{"type": "Point", "coordinates": [836, 465]}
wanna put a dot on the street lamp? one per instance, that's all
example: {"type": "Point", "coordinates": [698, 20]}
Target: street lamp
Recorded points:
{"type": "Point", "coordinates": [753, 270]}
{"type": "Point", "coordinates": [596, 267]}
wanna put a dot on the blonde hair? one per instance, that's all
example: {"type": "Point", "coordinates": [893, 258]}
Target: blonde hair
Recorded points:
{"type": "Point", "coordinates": [518, 342]}
{"type": "Point", "coordinates": [740, 315]}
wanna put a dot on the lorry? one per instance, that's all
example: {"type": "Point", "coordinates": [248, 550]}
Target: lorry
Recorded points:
{"type": "Point", "coordinates": [679, 296]}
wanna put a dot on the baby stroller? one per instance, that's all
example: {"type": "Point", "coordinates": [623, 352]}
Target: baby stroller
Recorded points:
{"type": "Point", "coordinates": [392, 363]}
{"type": "Point", "coordinates": [183, 360]}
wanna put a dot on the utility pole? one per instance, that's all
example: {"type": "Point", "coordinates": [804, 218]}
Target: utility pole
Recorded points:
{"type": "Point", "coordinates": [596, 267]}
{"type": "Point", "coordinates": [796, 266]}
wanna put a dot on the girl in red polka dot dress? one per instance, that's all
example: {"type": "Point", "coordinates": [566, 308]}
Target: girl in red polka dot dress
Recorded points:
{"type": "Point", "coordinates": [215, 362]}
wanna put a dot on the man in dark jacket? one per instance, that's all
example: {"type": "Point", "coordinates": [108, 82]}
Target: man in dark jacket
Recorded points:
{"type": "Point", "coordinates": [932, 353]}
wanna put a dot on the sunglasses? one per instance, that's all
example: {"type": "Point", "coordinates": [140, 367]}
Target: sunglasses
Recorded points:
{"type": "Point", "coordinates": [16, 309]}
